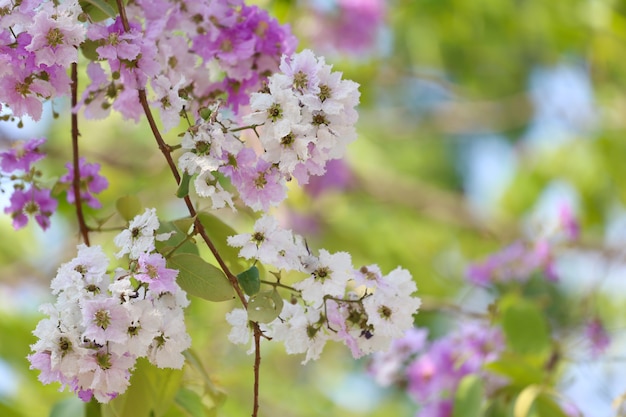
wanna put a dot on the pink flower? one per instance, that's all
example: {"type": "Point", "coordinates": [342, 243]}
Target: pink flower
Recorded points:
{"type": "Point", "coordinates": [22, 156]}
{"type": "Point", "coordinates": [152, 271]}
{"type": "Point", "coordinates": [90, 182]}
{"type": "Point", "coordinates": [32, 202]}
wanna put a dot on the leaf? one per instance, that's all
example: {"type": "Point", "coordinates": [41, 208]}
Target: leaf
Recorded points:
{"type": "Point", "coordinates": [168, 245]}
{"type": "Point", "coordinates": [191, 402]}
{"type": "Point", "coordinates": [70, 407]}
{"type": "Point", "coordinates": [201, 279]}
{"type": "Point", "coordinates": [218, 232]}
{"type": "Point", "coordinates": [150, 394]}
{"type": "Point", "coordinates": [525, 400]}
{"type": "Point", "coordinates": [184, 224]}
{"type": "Point", "coordinates": [469, 397]}
{"type": "Point", "coordinates": [519, 371]}
{"type": "Point", "coordinates": [98, 10]}
{"type": "Point", "coordinates": [250, 281]}
{"type": "Point", "coordinates": [128, 207]}
{"type": "Point", "coordinates": [265, 306]}
{"type": "Point", "coordinates": [88, 48]}
{"type": "Point", "coordinates": [525, 327]}
{"type": "Point", "coordinates": [546, 406]}
{"type": "Point", "coordinates": [183, 187]}
{"type": "Point", "coordinates": [194, 361]}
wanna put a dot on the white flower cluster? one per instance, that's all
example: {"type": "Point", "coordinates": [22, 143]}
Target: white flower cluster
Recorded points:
{"type": "Point", "coordinates": [363, 308]}
{"type": "Point", "coordinates": [99, 326]}
{"type": "Point", "coordinates": [307, 113]}
{"type": "Point", "coordinates": [304, 118]}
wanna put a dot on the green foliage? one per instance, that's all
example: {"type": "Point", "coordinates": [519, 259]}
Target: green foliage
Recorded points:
{"type": "Point", "coordinates": [468, 398]}
{"type": "Point", "coordinates": [250, 280]}
{"type": "Point", "coordinates": [128, 207]}
{"type": "Point", "coordinates": [525, 327]}
{"type": "Point", "coordinates": [201, 279]}
{"type": "Point", "coordinates": [265, 306]}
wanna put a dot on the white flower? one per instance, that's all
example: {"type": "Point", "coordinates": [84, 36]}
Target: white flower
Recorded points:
{"type": "Point", "coordinates": [329, 275]}
{"type": "Point", "coordinates": [240, 332]}
{"type": "Point", "coordinates": [206, 185]}
{"type": "Point", "coordinates": [138, 238]}
{"type": "Point", "coordinates": [166, 350]}
{"type": "Point", "coordinates": [277, 110]}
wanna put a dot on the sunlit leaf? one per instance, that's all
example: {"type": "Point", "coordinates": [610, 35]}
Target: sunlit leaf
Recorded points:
{"type": "Point", "coordinates": [469, 397]}
{"type": "Point", "coordinates": [525, 327]}
{"type": "Point", "coordinates": [201, 279]}
{"type": "Point", "coordinates": [525, 400]}
{"type": "Point", "coordinates": [70, 407]}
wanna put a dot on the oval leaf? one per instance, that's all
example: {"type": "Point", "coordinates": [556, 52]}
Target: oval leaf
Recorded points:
{"type": "Point", "coordinates": [525, 328]}
{"type": "Point", "coordinates": [265, 307]}
{"type": "Point", "coordinates": [525, 400]}
{"type": "Point", "coordinates": [250, 281]}
{"type": "Point", "coordinates": [128, 207]}
{"type": "Point", "coordinates": [201, 279]}
{"type": "Point", "coordinates": [469, 397]}
{"type": "Point", "coordinates": [218, 232]}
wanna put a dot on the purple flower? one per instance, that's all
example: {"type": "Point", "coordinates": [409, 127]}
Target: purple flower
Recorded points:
{"type": "Point", "coordinates": [152, 271]}
{"type": "Point", "coordinates": [598, 337]}
{"type": "Point", "coordinates": [22, 156]}
{"type": "Point", "coordinates": [338, 176]}
{"type": "Point", "coordinates": [90, 182]}
{"type": "Point", "coordinates": [32, 202]}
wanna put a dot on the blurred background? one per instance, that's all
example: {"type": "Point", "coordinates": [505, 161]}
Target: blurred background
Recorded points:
{"type": "Point", "coordinates": [478, 121]}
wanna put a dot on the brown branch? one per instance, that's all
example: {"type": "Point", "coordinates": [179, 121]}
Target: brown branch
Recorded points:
{"type": "Point", "coordinates": [84, 230]}
{"type": "Point", "coordinates": [257, 367]}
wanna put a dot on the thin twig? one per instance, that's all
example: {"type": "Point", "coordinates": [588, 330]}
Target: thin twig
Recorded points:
{"type": "Point", "coordinates": [84, 230]}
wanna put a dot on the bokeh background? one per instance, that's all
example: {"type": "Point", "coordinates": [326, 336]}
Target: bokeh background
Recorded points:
{"type": "Point", "coordinates": [478, 119]}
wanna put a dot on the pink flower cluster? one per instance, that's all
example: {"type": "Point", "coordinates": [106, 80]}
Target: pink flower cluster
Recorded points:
{"type": "Point", "coordinates": [304, 118]}
{"type": "Point", "coordinates": [431, 370]}
{"type": "Point", "coordinates": [99, 325]}
{"type": "Point", "coordinates": [191, 53]}
{"type": "Point", "coordinates": [91, 182]}
{"type": "Point", "coordinates": [346, 26]}
{"type": "Point", "coordinates": [38, 42]}
{"type": "Point", "coordinates": [29, 197]}
{"type": "Point", "coordinates": [361, 308]}
{"type": "Point", "coordinates": [520, 260]}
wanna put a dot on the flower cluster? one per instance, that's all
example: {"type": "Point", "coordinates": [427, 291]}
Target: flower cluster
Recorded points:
{"type": "Point", "coordinates": [190, 54]}
{"type": "Point", "coordinates": [100, 324]}
{"type": "Point", "coordinates": [38, 42]}
{"type": "Point", "coordinates": [304, 118]}
{"type": "Point", "coordinates": [346, 26]}
{"type": "Point", "coordinates": [431, 370]}
{"type": "Point", "coordinates": [91, 182]}
{"type": "Point", "coordinates": [363, 308]}
{"type": "Point", "coordinates": [29, 197]}
{"type": "Point", "coordinates": [520, 260]}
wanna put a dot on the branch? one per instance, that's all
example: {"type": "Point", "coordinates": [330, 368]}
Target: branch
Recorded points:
{"type": "Point", "coordinates": [257, 367]}
{"type": "Point", "coordinates": [84, 230]}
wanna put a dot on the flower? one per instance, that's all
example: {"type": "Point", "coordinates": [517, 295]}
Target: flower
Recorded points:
{"type": "Point", "coordinates": [21, 157]}
{"type": "Point", "coordinates": [91, 182]}
{"type": "Point", "coordinates": [32, 202]}
{"type": "Point", "coordinates": [139, 237]}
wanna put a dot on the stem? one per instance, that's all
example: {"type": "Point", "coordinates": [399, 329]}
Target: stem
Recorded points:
{"type": "Point", "coordinates": [257, 367]}
{"type": "Point", "coordinates": [278, 284]}
{"type": "Point", "coordinates": [84, 230]}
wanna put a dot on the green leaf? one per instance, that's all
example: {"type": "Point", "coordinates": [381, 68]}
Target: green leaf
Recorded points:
{"type": "Point", "coordinates": [525, 327]}
{"type": "Point", "coordinates": [218, 232]}
{"type": "Point", "coordinates": [265, 306]}
{"type": "Point", "coordinates": [184, 224]}
{"type": "Point", "coordinates": [99, 10]}
{"type": "Point", "coordinates": [128, 207]}
{"type": "Point", "coordinates": [70, 407]}
{"type": "Point", "coordinates": [547, 407]}
{"type": "Point", "coordinates": [183, 187]}
{"type": "Point", "coordinates": [168, 245]}
{"type": "Point", "coordinates": [93, 408]}
{"type": "Point", "coordinates": [201, 279]}
{"type": "Point", "coordinates": [525, 400]}
{"type": "Point", "coordinates": [519, 371]}
{"type": "Point", "coordinates": [191, 402]}
{"type": "Point", "coordinates": [88, 48]}
{"type": "Point", "coordinates": [469, 397]}
{"type": "Point", "coordinates": [217, 394]}
{"type": "Point", "coordinates": [150, 394]}
{"type": "Point", "coordinates": [250, 281]}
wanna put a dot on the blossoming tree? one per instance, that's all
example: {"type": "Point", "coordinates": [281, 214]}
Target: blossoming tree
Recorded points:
{"type": "Point", "coordinates": [242, 120]}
